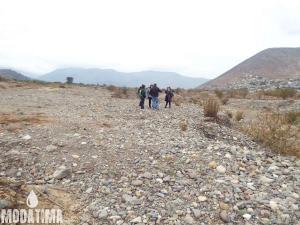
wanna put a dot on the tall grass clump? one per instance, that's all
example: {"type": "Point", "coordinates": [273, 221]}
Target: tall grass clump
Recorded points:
{"type": "Point", "coordinates": [219, 94]}
{"type": "Point", "coordinates": [274, 130]}
{"type": "Point", "coordinates": [211, 108]}
{"type": "Point", "coordinates": [239, 115]}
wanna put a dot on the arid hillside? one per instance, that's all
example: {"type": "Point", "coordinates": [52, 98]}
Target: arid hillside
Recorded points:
{"type": "Point", "coordinates": [272, 63]}
{"type": "Point", "coordinates": [11, 74]}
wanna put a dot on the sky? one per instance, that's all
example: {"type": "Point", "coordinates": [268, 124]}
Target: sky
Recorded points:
{"type": "Point", "coordinates": [192, 37]}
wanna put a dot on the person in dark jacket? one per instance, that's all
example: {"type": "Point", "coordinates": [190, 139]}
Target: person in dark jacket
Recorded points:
{"type": "Point", "coordinates": [142, 95]}
{"type": "Point", "coordinates": [169, 96]}
{"type": "Point", "coordinates": [154, 92]}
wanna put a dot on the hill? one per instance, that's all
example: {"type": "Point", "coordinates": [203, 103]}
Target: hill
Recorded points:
{"type": "Point", "coordinates": [271, 64]}
{"type": "Point", "coordinates": [113, 77]}
{"type": "Point", "coordinates": [12, 75]}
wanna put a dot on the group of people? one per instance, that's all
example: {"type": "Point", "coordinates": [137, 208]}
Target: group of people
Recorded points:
{"type": "Point", "coordinates": [152, 94]}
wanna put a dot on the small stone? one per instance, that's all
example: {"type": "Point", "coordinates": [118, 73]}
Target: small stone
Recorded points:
{"type": "Point", "coordinates": [228, 156]}
{"type": "Point", "coordinates": [188, 219]}
{"type": "Point", "coordinates": [137, 183]}
{"type": "Point", "coordinates": [51, 148]}
{"type": "Point", "coordinates": [247, 216]}
{"type": "Point", "coordinates": [102, 214]}
{"type": "Point", "coordinates": [76, 156]}
{"type": "Point", "coordinates": [224, 216]}
{"type": "Point", "coordinates": [223, 206]}
{"type": "Point", "coordinates": [221, 169]}
{"type": "Point", "coordinates": [130, 199]}
{"type": "Point", "coordinates": [265, 180]}
{"type": "Point", "coordinates": [212, 165]}
{"type": "Point", "coordinates": [89, 190]}
{"type": "Point", "coordinates": [202, 198]}
{"type": "Point", "coordinates": [196, 212]}
{"type": "Point", "coordinates": [273, 205]}
{"type": "Point", "coordinates": [26, 137]}
{"type": "Point", "coordinates": [192, 174]}
{"type": "Point", "coordinates": [62, 172]}
{"type": "Point", "coordinates": [5, 204]}
{"type": "Point", "coordinates": [136, 220]}
{"type": "Point", "coordinates": [146, 175]}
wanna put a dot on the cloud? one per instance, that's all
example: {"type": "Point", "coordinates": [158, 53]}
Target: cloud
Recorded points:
{"type": "Point", "coordinates": [193, 37]}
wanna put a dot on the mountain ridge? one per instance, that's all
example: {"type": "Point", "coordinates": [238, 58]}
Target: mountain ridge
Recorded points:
{"type": "Point", "coordinates": [129, 79]}
{"type": "Point", "coordinates": [12, 75]}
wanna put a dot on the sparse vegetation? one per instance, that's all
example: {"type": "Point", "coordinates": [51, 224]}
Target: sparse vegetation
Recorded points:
{"type": "Point", "coordinates": [211, 108]}
{"type": "Point", "coordinates": [219, 94]}
{"type": "Point", "coordinates": [229, 114]}
{"type": "Point", "coordinates": [183, 125]}
{"type": "Point", "coordinates": [273, 130]}
{"type": "Point", "coordinates": [283, 93]}
{"type": "Point", "coordinates": [292, 117]}
{"type": "Point", "coordinates": [239, 115]}
{"type": "Point", "coordinates": [238, 93]}
{"type": "Point", "coordinates": [224, 100]}
{"type": "Point", "coordinates": [122, 92]}
{"type": "Point", "coordinates": [6, 119]}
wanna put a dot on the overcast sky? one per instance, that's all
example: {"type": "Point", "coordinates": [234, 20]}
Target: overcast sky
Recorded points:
{"type": "Point", "coordinates": [192, 37]}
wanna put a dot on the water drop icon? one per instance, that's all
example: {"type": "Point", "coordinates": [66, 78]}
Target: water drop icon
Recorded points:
{"type": "Point", "coordinates": [32, 200]}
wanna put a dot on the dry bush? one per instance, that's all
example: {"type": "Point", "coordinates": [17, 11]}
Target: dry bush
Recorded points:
{"type": "Point", "coordinates": [239, 115]}
{"type": "Point", "coordinates": [238, 93]}
{"type": "Point", "coordinates": [122, 92]}
{"type": "Point", "coordinates": [183, 125]}
{"type": "Point", "coordinates": [229, 114]}
{"type": "Point", "coordinates": [219, 94]}
{"type": "Point", "coordinates": [2, 79]}
{"type": "Point", "coordinates": [292, 117]}
{"type": "Point", "coordinates": [29, 119]}
{"type": "Point", "coordinates": [274, 131]}
{"type": "Point", "coordinates": [224, 100]}
{"type": "Point", "coordinates": [177, 100]}
{"type": "Point", "coordinates": [283, 93]}
{"type": "Point", "coordinates": [211, 108]}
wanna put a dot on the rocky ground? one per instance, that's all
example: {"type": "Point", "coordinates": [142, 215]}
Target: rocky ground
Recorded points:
{"type": "Point", "coordinates": [124, 165]}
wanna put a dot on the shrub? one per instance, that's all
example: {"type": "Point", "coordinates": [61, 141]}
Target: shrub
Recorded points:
{"type": "Point", "coordinates": [283, 93]}
{"type": "Point", "coordinates": [224, 100]}
{"type": "Point", "coordinates": [292, 117]}
{"type": "Point", "coordinates": [238, 93]}
{"type": "Point", "coordinates": [239, 115]}
{"type": "Point", "coordinates": [183, 125]}
{"type": "Point", "coordinates": [229, 114]}
{"type": "Point", "coordinates": [2, 79]}
{"type": "Point", "coordinates": [219, 94]}
{"type": "Point", "coordinates": [274, 131]}
{"type": "Point", "coordinates": [211, 108]}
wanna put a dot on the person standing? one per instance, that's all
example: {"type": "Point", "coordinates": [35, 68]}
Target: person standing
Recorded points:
{"type": "Point", "coordinates": [148, 95]}
{"type": "Point", "coordinates": [169, 96]}
{"type": "Point", "coordinates": [154, 92]}
{"type": "Point", "coordinates": [142, 95]}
